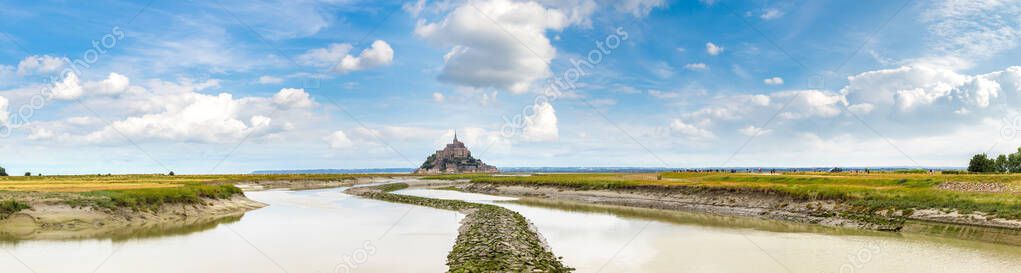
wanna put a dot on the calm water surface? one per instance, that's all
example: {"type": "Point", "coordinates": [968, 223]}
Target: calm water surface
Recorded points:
{"type": "Point", "coordinates": [300, 231]}
{"type": "Point", "coordinates": [617, 239]}
{"type": "Point", "coordinates": [328, 231]}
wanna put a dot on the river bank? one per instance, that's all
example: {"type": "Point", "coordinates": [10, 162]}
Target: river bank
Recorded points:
{"type": "Point", "coordinates": [490, 239]}
{"type": "Point", "coordinates": [51, 219]}
{"type": "Point", "coordinates": [88, 206]}
{"type": "Point", "coordinates": [744, 203]}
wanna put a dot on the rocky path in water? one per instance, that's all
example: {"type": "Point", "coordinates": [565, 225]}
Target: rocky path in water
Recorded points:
{"type": "Point", "coordinates": [491, 238]}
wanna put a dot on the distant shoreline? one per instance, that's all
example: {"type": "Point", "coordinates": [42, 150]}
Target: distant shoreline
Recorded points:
{"type": "Point", "coordinates": [612, 169]}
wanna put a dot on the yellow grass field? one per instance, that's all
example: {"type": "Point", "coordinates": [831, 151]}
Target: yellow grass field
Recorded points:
{"type": "Point", "coordinates": [85, 183]}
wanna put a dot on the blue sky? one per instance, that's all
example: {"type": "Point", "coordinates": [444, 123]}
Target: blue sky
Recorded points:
{"type": "Point", "coordinates": [236, 86]}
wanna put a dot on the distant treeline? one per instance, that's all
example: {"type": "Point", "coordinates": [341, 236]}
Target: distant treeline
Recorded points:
{"type": "Point", "coordinates": [1004, 163]}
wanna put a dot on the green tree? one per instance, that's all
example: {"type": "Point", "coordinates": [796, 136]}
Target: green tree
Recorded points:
{"type": "Point", "coordinates": [981, 163]}
{"type": "Point", "coordinates": [28, 173]}
{"type": "Point", "coordinates": [1001, 164]}
{"type": "Point", "coordinates": [3, 172]}
{"type": "Point", "coordinates": [1014, 162]}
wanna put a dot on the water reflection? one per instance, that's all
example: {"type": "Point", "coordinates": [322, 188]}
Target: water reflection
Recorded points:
{"type": "Point", "coordinates": [300, 231]}
{"type": "Point", "coordinates": [134, 232]}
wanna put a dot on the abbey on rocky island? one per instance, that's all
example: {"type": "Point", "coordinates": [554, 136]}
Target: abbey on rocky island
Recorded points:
{"type": "Point", "coordinates": [455, 158]}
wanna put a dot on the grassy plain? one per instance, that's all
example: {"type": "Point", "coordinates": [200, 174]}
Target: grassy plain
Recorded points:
{"type": "Point", "coordinates": [138, 192]}
{"type": "Point", "coordinates": [998, 194]}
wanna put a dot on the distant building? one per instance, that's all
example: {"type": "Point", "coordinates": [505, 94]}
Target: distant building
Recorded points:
{"type": "Point", "coordinates": [454, 158]}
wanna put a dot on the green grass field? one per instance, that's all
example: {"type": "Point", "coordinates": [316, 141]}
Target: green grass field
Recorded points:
{"type": "Point", "coordinates": [876, 191]}
{"type": "Point", "coordinates": [138, 192]}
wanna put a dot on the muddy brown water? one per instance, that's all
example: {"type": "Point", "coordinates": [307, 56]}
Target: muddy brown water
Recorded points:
{"type": "Point", "coordinates": [328, 231]}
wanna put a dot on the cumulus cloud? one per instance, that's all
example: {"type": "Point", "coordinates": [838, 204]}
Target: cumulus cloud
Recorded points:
{"type": "Point", "coordinates": [72, 88]}
{"type": "Point", "coordinates": [112, 85]}
{"type": "Point", "coordinates": [690, 131]}
{"type": "Point", "coordinates": [67, 89]}
{"type": "Point", "coordinates": [910, 88]}
{"type": "Point", "coordinates": [773, 81]}
{"type": "Point", "coordinates": [909, 101]}
{"type": "Point", "coordinates": [270, 80]}
{"type": "Point", "coordinates": [803, 104]}
{"type": "Point", "coordinates": [713, 49]}
{"type": "Point", "coordinates": [292, 98]}
{"type": "Point", "coordinates": [203, 118]}
{"type": "Point", "coordinates": [483, 54]}
{"type": "Point", "coordinates": [696, 66]}
{"type": "Point", "coordinates": [339, 140]}
{"type": "Point", "coordinates": [336, 56]}
{"type": "Point", "coordinates": [40, 64]}
{"type": "Point", "coordinates": [438, 97]}
{"type": "Point", "coordinates": [541, 126]}
{"type": "Point", "coordinates": [380, 54]}
{"type": "Point", "coordinates": [176, 111]}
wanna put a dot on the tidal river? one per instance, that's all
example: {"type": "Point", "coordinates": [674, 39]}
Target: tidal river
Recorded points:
{"type": "Point", "coordinates": [328, 231]}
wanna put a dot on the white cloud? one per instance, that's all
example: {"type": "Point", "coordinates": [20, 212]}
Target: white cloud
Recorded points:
{"type": "Point", "coordinates": [71, 87]}
{"type": "Point", "coordinates": [773, 81]}
{"type": "Point", "coordinates": [603, 102]}
{"type": "Point", "coordinates": [414, 9]}
{"type": "Point", "coordinates": [82, 121]}
{"type": "Point", "coordinates": [483, 53]}
{"type": "Point", "coordinates": [438, 97]}
{"type": "Point", "coordinates": [178, 112]}
{"type": "Point", "coordinates": [696, 66]}
{"type": "Point", "coordinates": [270, 80]}
{"type": "Point", "coordinates": [336, 55]}
{"type": "Point", "coordinates": [112, 85]}
{"type": "Point", "coordinates": [68, 89]}
{"type": "Point", "coordinates": [751, 130]}
{"type": "Point", "coordinates": [922, 87]}
{"type": "Point", "coordinates": [663, 94]}
{"type": "Point", "coordinates": [4, 114]}
{"type": "Point", "coordinates": [771, 13]}
{"type": "Point", "coordinates": [690, 131]}
{"type": "Point", "coordinates": [280, 19]}
{"type": "Point", "coordinates": [712, 49]}
{"type": "Point", "coordinates": [289, 98]}
{"type": "Point", "coordinates": [380, 54]}
{"type": "Point", "coordinates": [43, 64]}
{"type": "Point", "coordinates": [542, 125]}
{"type": "Point", "coordinates": [639, 8]}
{"type": "Point", "coordinates": [325, 57]}
{"type": "Point", "coordinates": [201, 118]}
{"type": "Point", "coordinates": [810, 104]}
{"type": "Point", "coordinates": [339, 140]}
{"type": "Point", "coordinates": [662, 70]}
{"type": "Point", "coordinates": [977, 28]}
